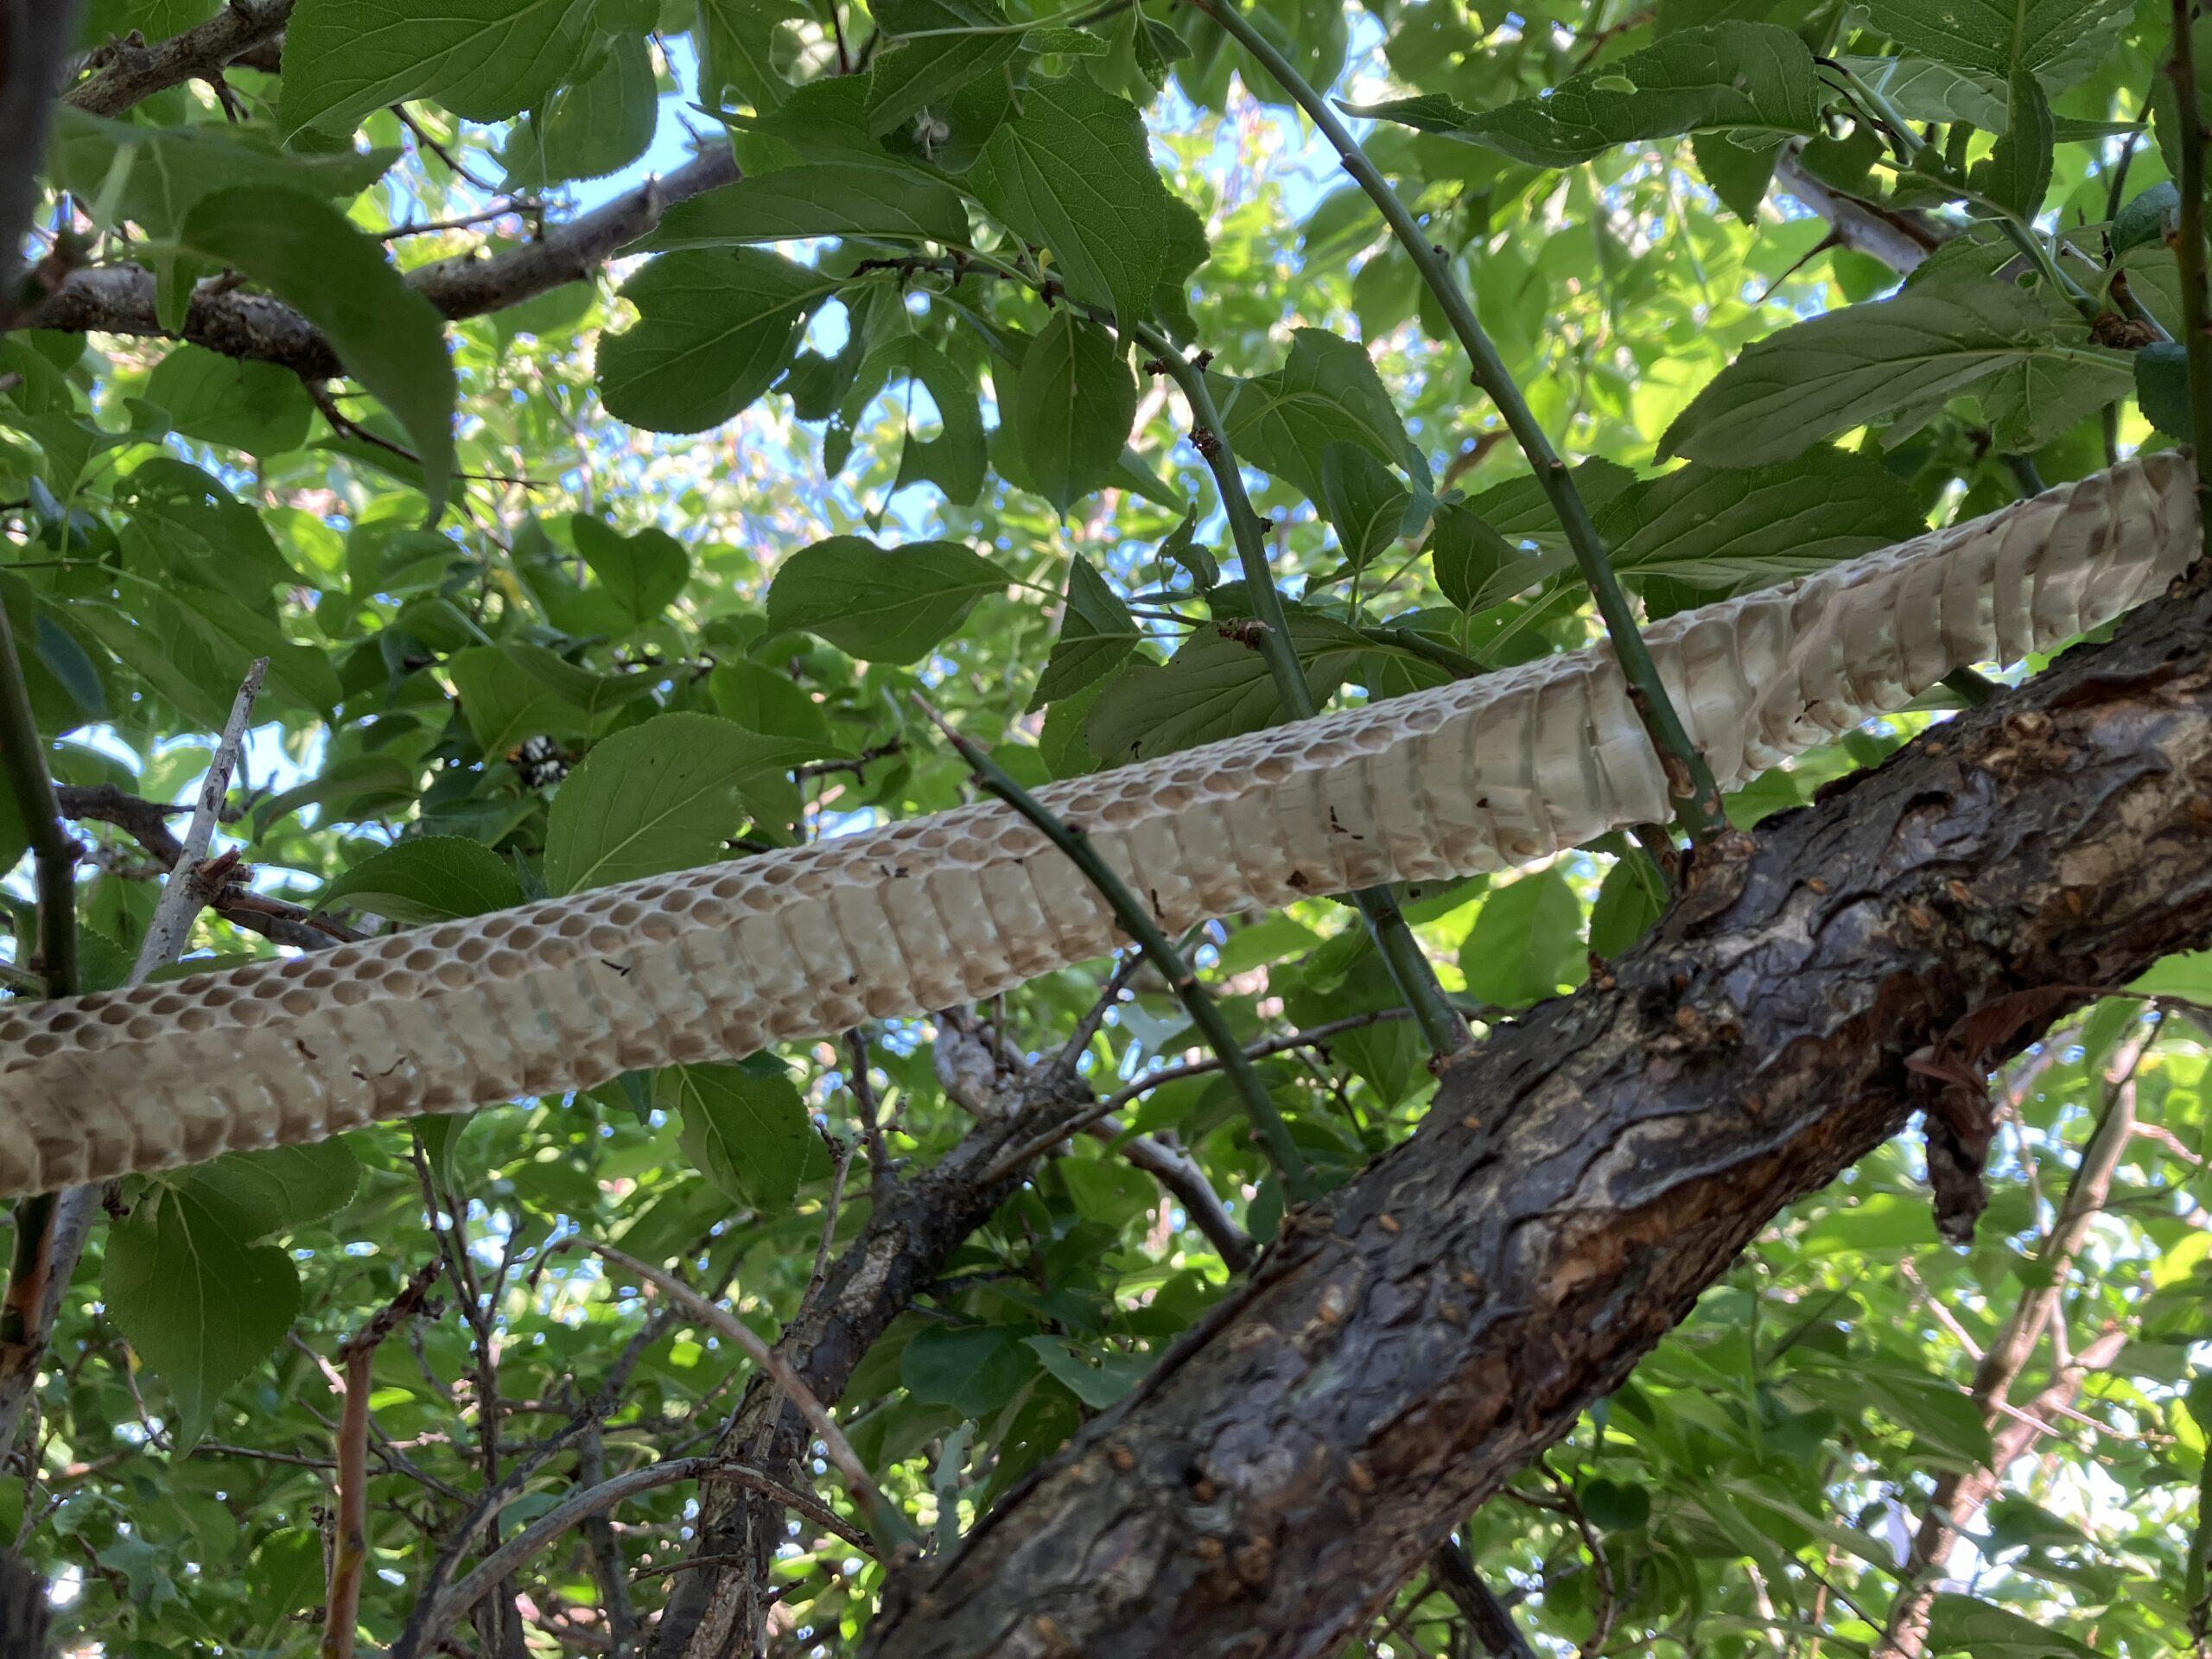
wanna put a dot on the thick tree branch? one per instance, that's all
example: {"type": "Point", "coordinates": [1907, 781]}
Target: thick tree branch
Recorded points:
{"type": "Point", "coordinates": [1417, 1340]}
{"type": "Point", "coordinates": [131, 71]}
{"type": "Point", "coordinates": [119, 299]}
{"type": "Point", "coordinates": [1899, 239]}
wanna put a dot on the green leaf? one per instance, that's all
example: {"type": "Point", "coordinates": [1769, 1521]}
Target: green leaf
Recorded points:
{"type": "Point", "coordinates": [1469, 557]}
{"type": "Point", "coordinates": [388, 337]}
{"type": "Point", "coordinates": [1097, 1376]}
{"type": "Point", "coordinates": [1884, 1221]}
{"type": "Point", "coordinates": [1704, 532]}
{"type": "Point", "coordinates": [958, 458]}
{"type": "Point", "coordinates": [1961, 1624]}
{"type": "Point", "coordinates": [762, 700]}
{"type": "Point", "coordinates": [154, 176]}
{"type": "Point", "coordinates": [1740, 76]}
{"type": "Point", "coordinates": [715, 329]}
{"type": "Point", "coordinates": [643, 573]}
{"type": "Point", "coordinates": [975, 1371]}
{"type": "Point", "coordinates": [2161, 388]}
{"type": "Point", "coordinates": [738, 49]}
{"type": "Point", "coordinates": [2017, 171]}
{"type": "Point", "coordinates": [484, 59]}
{"type": "Point", "coordinates": [1074, 399]}
{"type": "Point", "coordinates": [255, 407]}
{"type": "Point", "coordinates": [2058, 40]}
{"type": "Point", "coordinates": [348, 789]}
{"type": "Point", "coordinates": [1900, 359]}
{"type": "Point", "coordinates": [664, 795]}
{"type": "Point", "coordinates": [745, 1126]}
{"type": "Point", "coordinates": [1097, 633]}
{"type": "Point", "coordinates": [1629, 902]}
{"type": "Point", "coordinates": [275, 1191]}
{"type": "Point", "coordinates": [199, 1301]}
{"type": "Point", "coordinates": [825, 199]}
{"type": "Point", "coordinates": [882, 604]}
{"type": "Point", "coordinates": [1363, 501]}
{"type": "Point", "coordinates": [1073, 172]}
{"type": "Point", "coordinates": [1526, 942]}
{"type": "Point", "coordinates": [503, 702]}
{"type": "Point", "coordinates": [1326, 392]}
{"type": "Point", "coordinates": [1926, 89]}
{"type": "Point", "coordinates": [2150, 220]}
{"type": "Point", "coordinates": [597, 126]}
{"type": "Point", "coordinates": [1182, 548]}
{"type": "Point", "coordinates": [1213, 687]}
{"type": "Point", "coordinates": [1738, 173]}
{"type": "Point", "coordinates": [428, 879]}
{"type": "Point", "coordinates": [954, 41]}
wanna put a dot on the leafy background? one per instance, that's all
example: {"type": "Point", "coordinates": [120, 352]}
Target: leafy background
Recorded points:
{"type": "Point", "coordinates": [594, 578]}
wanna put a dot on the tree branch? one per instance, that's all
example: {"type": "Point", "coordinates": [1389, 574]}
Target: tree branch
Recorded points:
{"type": "Point", "coordinates": [119, 299]}
{"type": "Point", "coordinates": [185, 894]}
{"type": "Point", "coordinates": [1959, 1493]}
{"type": "Point", "coordinates": [1598, 1164]}
{"type": "Point", "coordinates": [147, 823]}
{"type": "Point", "coordinates": [133, 72]}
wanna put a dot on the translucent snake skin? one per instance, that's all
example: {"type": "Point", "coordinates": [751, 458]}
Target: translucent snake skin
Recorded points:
{"type": "Point", "coordinates": [1477, 775]}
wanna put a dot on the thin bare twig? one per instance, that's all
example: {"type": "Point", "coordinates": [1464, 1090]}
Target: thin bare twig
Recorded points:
{"type": "Point", "coordinates": [885, 1515]}
{"type": "Point", "coordinates": [183, 896]}
{"type": "Point", "coordinates": [597, 1500]}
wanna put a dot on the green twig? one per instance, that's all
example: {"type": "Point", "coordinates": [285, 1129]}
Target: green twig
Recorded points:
{"type": "Point", "coordinates": [1689, 781]}
{"type": "Point", "coordinates": [2189, 250]}
{"type": "Point", "coordinates": [1401, 953]}
{"type": "Point", "coordinates": [1138, 923]}
{"type": "Point", "coordinates": [1457, 664]}
{"type": "Point", "coordinates": [1923, 157]}
{"type": "Point", "coordinates": [23, 753]}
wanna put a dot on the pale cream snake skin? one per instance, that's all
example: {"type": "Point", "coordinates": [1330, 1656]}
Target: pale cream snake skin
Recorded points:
{"type": "Point", "coordinates": [719, 962]}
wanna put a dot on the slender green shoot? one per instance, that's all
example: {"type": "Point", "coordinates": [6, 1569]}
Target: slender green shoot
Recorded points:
{"type": "Point", "coordinates": [1138, 923]}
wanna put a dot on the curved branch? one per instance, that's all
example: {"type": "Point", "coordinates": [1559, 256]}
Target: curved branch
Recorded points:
{"type": "Point", "coordinates": [1415, 1341]}
{"type": "Point", "coordinates": [119, 299]}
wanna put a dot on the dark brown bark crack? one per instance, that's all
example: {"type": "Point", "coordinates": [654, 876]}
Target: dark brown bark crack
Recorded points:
{"type": "Point", "coordinates": [1592, 1169]}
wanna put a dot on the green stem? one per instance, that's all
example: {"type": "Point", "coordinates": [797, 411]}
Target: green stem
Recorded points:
{"type": "Point", "coordinates": [1138, 923]}
{"type": "Point", "coordinates": [2189, 250]}
{"type": "Point", "coordinates": [1410, 970]}
{"type": "Point", "coordinates": [1923, 157]}
{"type": "Point", "coordinates": [23, 753]}
{"type": "Point", "coordinates": [1457, 664]}
{"type": "Point", "coordinates": [1690, 786]}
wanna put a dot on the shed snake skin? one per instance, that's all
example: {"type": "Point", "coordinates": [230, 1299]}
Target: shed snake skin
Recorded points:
{"type": "Point", "coordinates": [1478, 775]}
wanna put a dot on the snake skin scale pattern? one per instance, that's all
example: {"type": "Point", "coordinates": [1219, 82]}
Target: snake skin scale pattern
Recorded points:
{"type": "Point", "coordinates": [1478, 775]}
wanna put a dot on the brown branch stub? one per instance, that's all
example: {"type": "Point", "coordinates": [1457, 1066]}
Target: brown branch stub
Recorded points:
{"type": "Point", "coordinates": [1595, 1167]}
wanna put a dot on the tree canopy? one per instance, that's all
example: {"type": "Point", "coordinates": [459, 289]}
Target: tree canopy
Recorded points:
{"type": "Point", "coordinates": [603, 419]}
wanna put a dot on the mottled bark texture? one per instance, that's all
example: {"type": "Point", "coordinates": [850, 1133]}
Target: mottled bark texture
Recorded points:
{"type": "Point", "coordinates": [1584, 1175]}
{"type": "Point", "coordinates": [719, 1611]}
{"type": "Point", "coordinates": [131, 71]}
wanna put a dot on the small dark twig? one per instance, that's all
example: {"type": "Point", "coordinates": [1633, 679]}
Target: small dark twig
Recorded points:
{"type": "Point", "coordinates": [1139, 924]}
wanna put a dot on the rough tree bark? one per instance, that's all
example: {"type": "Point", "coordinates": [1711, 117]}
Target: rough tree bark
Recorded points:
{"type": "Point", "coordinates": [1583, 1176]}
